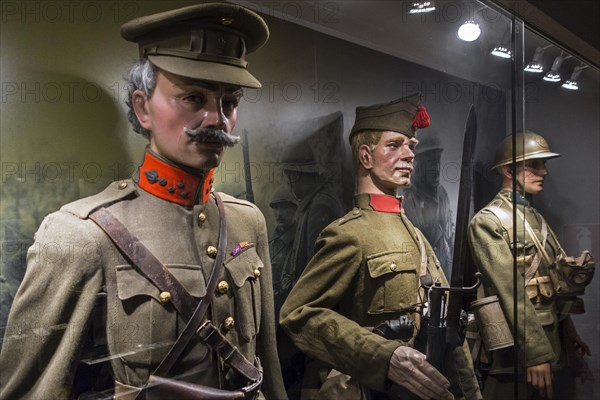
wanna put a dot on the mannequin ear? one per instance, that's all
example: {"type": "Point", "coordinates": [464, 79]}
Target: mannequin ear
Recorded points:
{"type": "Point", "coordinates": [506, 172]}
{"type": "Point", "coordinates": [365, 157]}
{"type": "Point", "coordinates": [139, 102]}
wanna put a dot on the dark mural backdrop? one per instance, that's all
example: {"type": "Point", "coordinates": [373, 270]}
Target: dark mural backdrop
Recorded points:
{"type": "Point", "coordinates": [64, 134]}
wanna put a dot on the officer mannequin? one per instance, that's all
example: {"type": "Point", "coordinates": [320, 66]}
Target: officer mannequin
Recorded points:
{"type": "Point", "coordinates": [365, 271]}
{"type": "Point", "coordinates": [183, 96]}
{"type": "Point", "coordinates": [547, 329]}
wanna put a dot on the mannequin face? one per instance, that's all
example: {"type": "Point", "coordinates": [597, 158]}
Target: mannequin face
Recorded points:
{"type": "Point", "coordinates": [389, 163]}
{"type": "Point", "coordinates": [177, 101]}
{"type": "Point", "coordinates": [530, 175]}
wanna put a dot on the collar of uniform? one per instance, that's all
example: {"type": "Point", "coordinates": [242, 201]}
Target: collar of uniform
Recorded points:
{"type": "Point", "coordinates": [519, 199]}
{"type": "Point", "coordinates": [168, 181]}
{"type": "Point", "coordinates": [379, 202]}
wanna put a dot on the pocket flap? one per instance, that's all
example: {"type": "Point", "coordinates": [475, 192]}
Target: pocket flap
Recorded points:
{"type": "Point", "coordinates": [392, 262]}
{"type": "Point", "coordinates": [243, 265]}
{"type": "Point", "coordinates": [546, 317]}
{"type": "Point", "coordinates": [132, 283]}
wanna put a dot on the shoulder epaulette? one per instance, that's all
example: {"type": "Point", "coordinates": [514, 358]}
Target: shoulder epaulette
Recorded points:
{"type": "Point", "coordinates": [113, 193]}
{"type": "Point", "coordinates": [234, 200]}
{"type": "Point", "coordinates": [355, 213]}
{"type": "Point", "coordinates": [495, 203]}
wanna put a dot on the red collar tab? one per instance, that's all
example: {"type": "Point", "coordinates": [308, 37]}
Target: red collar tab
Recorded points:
{"type": "Point", "coordinates": [385, 203]}
{"type": "Point", "coordinates": [172, 183]}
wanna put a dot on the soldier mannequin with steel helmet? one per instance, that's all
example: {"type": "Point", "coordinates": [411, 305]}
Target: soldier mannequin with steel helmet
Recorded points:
{"type": "Point", "coordinates": [183, 97]}
{"type": "Point", "coordinates": [366, 271]}
{"type": "Point", "coordinates": [544, 328]}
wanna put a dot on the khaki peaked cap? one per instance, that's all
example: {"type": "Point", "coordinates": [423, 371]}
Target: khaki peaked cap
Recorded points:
{"type": "Point", "coordinates": [206, 41]}
{"type": "Point", "coordinates": [396, 116]}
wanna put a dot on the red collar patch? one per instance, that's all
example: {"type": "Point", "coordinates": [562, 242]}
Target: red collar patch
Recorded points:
{"type": "Point", "coordinates": [385, 203]}
{"type": "Point", "coordinates": [173, 184]}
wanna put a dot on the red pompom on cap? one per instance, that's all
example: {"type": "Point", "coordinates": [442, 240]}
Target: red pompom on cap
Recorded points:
{"type": "Point", "coordinates": [421, 119]}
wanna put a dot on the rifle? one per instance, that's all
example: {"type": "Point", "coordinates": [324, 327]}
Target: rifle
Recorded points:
{"type": "Point", "coordinates": [445, 331]}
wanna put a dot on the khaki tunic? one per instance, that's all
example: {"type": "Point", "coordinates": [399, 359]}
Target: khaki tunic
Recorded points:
{"type": "Point", "coordinates": [73, 264]}
{"type": "Point", "coordinates": [538, 320]}
{"type": "Point", "coordinates": [365, 271]}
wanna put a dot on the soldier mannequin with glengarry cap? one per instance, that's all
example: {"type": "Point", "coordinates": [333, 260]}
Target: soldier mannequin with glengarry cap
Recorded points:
{"type": "Point", "coordinates": [366, 271]}
{"type": "Point", "coordinates": [183, 97]}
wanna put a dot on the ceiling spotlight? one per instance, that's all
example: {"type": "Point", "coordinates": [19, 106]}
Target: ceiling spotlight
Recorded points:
{"type": "Point", "coordinates": [553, 75]}
{"type": "Point", "coordinates": [571, 83]}
{"type": "Point", "coordinates": [421, 7]}
{"type": "Point", "coordinates": [536, 63]}
{"type": "Point", "coordinates": [469, 31]}
{"type": "Point", "coordinates": [502, 50]}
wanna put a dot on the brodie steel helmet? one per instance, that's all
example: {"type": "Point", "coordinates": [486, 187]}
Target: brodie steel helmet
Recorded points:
{"type": "Point", "coordinates": [530, 146]}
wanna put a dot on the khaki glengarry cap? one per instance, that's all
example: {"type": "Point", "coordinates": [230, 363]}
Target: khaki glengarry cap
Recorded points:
{"type": "Point", "coordinates": [206, 41]}
{"type": "Point", "coordinates": [404, 115]}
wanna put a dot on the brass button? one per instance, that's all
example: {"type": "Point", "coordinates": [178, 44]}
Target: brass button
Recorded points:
{"type": "Point", "coordinates": [257, 273]}
{"type": "Point", "coordinates": [211, 251]}
{"type": "Point", "coordinates": [223, 287]}
{"type": "Point", "coordinates": [393, 267]}
{"type": "Point", "coordinates": [201, 217]}
{"type": "Point", "coordinates": [228, 323]}
{"type": "Point", "coordinates": [227, 21]}
{"type": "Point", "coordinates": [122, 185]}
{"type": "Point", "coordinates": [164, 297]}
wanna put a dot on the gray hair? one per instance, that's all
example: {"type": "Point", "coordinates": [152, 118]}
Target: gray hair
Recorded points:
{"type": "Point", "coordinates": [142, 76]}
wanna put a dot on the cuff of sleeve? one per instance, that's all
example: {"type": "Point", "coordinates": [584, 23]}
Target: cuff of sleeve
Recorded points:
{"type": "Point", "coordinates": [375, 371]}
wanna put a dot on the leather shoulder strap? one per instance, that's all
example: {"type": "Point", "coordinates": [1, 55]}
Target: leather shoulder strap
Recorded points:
{"type": "Point", "coordinates": [505, 219]}
{"type": "Point", "coordinates": [139, 256]}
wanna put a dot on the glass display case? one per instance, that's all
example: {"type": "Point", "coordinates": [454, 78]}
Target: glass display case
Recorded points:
{"type": "Point", "coordinates": [64, 135]}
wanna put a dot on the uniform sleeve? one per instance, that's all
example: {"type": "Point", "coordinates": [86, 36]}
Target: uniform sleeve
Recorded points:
{"type": "Point", "coordinates": [272, 385]}
{"type": "Point", "coordinates": [310, 319]}
{"type": "Point", "coordinates": [50, 314]}
{"type": "Point", "coordinates": [493, 258]}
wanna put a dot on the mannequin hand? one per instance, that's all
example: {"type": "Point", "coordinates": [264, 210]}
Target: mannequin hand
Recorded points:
{"type": "Point", "coordinates": [540, 377]}
{"type": "Point", "coordinates": [409, 368]}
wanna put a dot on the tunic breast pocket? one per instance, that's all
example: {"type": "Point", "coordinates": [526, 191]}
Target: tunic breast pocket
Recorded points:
{"type": "Point", "coordinates": [394, 281]}
{"type": "Point", "coordinates": [245, 269]}
{"type": "Point", "coordinates": [143, 327]}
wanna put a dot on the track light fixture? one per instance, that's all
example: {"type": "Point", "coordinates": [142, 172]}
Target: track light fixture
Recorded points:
{"type": "Point", "coordinates": [422, 7]}
{"type": "Point", "coordinates": [554, 75]}
{"type": "Point", "coordinates": [571, 83]}
{"type": "Point", "coordinates": [503, 50]}
{"type": "Point", "coordinates": [536, 62]}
